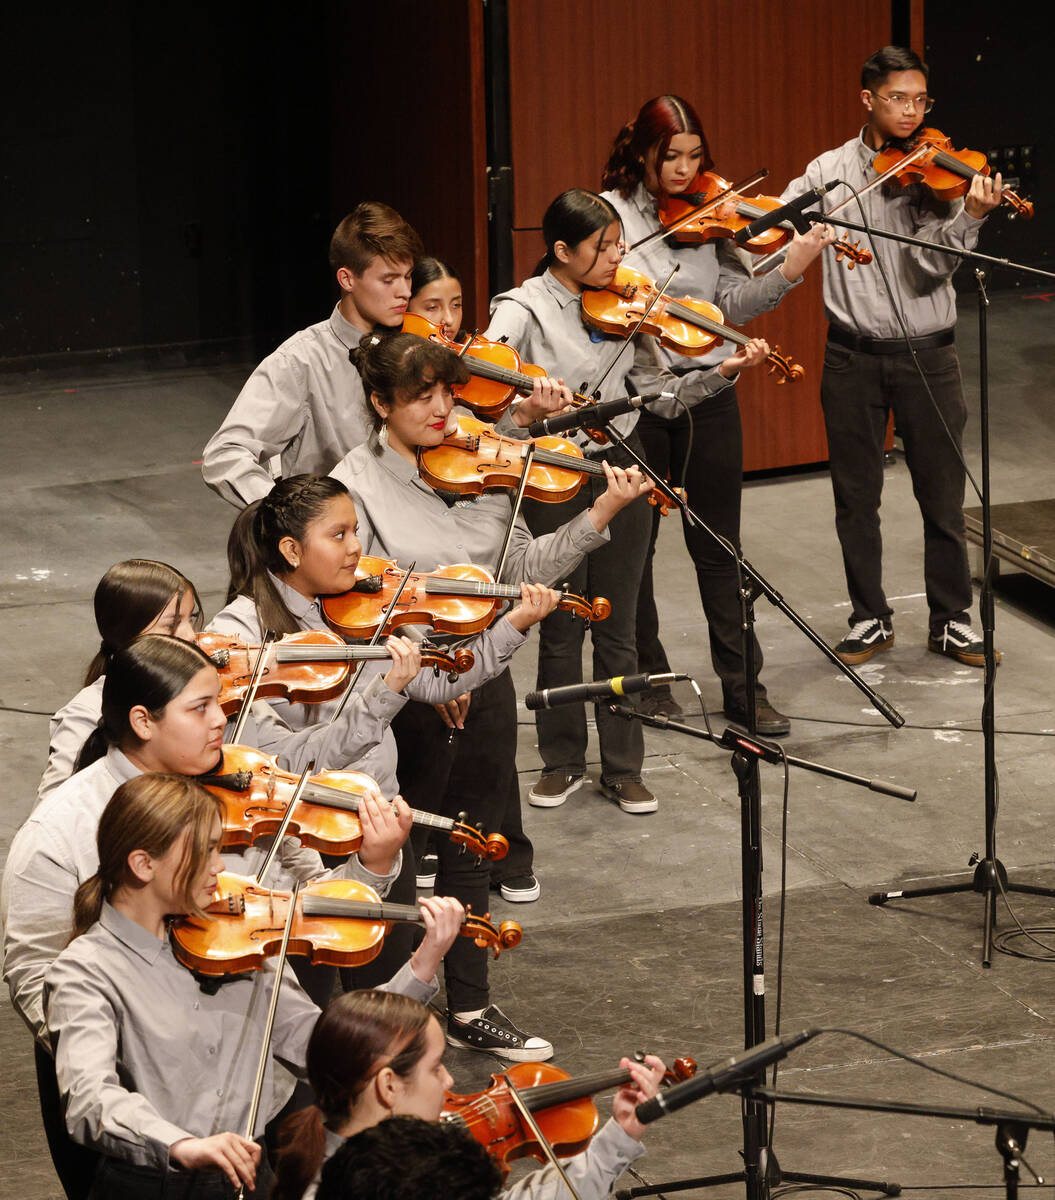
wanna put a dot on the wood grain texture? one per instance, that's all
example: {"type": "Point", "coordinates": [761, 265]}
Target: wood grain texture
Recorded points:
{"type": "Point", "coordinates": [774, 86]}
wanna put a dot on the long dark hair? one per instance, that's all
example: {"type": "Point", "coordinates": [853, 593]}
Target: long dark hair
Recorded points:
{"type": "Point", "coordinates": [427, 270]}
{"type": "Point", "coordinates": [400, 366]}
{"type": "Point", "coordinates": [128, 598]}
{"type": "Point", "coordinates": [149, 813]}
{"type": "Point", "coordinates": [357, 1035]}
{"type": "Point", "coordinates": [659, 120]}
{"type": "Point", "coordinates": [252, 547]}
{"type": "Point", "coordinates": [153, 670]}
{"type": "Point", "coordinates": [571, 218]}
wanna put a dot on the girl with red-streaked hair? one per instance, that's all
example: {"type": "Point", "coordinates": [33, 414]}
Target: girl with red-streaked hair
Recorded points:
{"type": "Point", "coordinates": [657, 155]}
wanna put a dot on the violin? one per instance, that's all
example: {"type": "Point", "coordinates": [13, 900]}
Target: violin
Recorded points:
{"type": "Point", "coordinates": [476, 458]}
{"type": "Point", "coordinates": [498, 372]}
{"type": "Point", "coordinates": [721, 212]}
{"type": "Point", "coordinates": [685, 325]}
{"type": "Point", "coordinates": [308, 667]}
{"type": "Point", "coordinates": [460, 599]}
{"type": "Point", "coordinates": [341, 922]}
{"type": "Point", "coordinates": [255, 793]}
{"type": "Point", "coordinates": [928, 157]}
{"type": "Point", "coordinates": [561, 1106]}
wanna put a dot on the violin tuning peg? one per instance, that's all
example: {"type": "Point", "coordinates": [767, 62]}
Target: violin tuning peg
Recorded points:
{"type": "Point", "coordinates": [463, 817]}
{"type": "Point", "coordinates": [638, 1056]}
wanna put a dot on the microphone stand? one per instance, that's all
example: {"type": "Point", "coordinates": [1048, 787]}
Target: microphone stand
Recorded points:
{"type": "Point", "coordinates": [759, 1163]}
{"type": "Point", "coordinates": [990, 877]}
{"type": "Point", "coordinates": [761, 1169]}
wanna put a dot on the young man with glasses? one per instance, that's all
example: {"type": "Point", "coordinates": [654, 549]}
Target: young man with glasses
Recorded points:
{"type": "Point", "coordinates": [869, 371]}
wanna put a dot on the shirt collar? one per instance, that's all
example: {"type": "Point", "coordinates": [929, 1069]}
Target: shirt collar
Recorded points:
{"type": "Point", "coordinates": [643, 200]}
{"type": "Point", "coordinates": [299, 605]}
{"type": "Point", "coordinates": [395, 464]}
{"type": "Point", "coordinates": [864, 150]}
{"type": "Point", "coordinates": [139, 940]}
{"type": "Point", "coordinates": [344, 331]}
{"type": "Point", "coordinates": [120, 765]}
{"type": "Point", "coordinates": [557, 290]}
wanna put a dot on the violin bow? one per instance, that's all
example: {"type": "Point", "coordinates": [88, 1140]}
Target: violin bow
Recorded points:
{"type": "Point", "coordinates": [280, 833]}
{"type": "Point", "coordinates": [254, 685]}
{"type": "Point", "coordinates": [529, 454]}
{"type": "Point", "coordinates": [592, 391]}
{"type": "Point", "coordinates": [540, 1137]}
{"type": "Point", "coordinates": [265, 1049]}
{"type": "Point", "coordinates": [374, 641]}
{"type": "Point", "coordinates": [693, 213]}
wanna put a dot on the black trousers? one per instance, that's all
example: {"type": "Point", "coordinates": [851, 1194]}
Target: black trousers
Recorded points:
{"type": "Point", "coordinates": [612, 571]}
{"type": "Point", "coordinates": [119, 1180]}
{"type": "Point", "coordinates": [75, 1164]}
{"type": "Point", "coordinates": [858, 392]}
{"type": "Point", "coordinates": [713, 479]}
{"type": "Point", "coordinates": [473, 772]}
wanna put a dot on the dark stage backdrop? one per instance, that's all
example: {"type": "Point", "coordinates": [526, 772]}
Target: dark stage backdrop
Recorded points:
{"type": "Point", "coordinates": [172, 176]}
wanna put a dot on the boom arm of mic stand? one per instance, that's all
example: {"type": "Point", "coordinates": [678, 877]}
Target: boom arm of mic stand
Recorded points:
{"type": "Point", "coordinates": [738, 740]}
{"type": "Point", "coordinates": [764, 588]}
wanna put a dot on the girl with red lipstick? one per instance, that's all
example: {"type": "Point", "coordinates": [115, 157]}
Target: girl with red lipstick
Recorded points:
{"type": "Point", "coordinates": [657, 155]}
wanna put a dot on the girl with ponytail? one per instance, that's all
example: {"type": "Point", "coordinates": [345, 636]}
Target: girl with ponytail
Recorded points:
{"type": "Point", "coordinates": [660, 154]}
{"type": "Point", "coordinates": [153, 1070]}
{"type": "Point", "coordinates": [372, 1056]}
{"type": "Point", "coordinates": [541, 319]}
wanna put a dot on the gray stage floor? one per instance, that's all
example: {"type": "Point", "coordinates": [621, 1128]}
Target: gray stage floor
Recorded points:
{"type": "Point", "coordinates": [636, 942]}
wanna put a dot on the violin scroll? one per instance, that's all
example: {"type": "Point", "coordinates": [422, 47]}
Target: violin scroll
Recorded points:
{"type": "Point", "coordinates": [784, 367]}
{"type": "Point", "coordinates": [598, 609]}
{"type": "Point", "coordinates": [852, 252]}
{"type": "Point", "coordinates": [487, 937]}
{"type": "Point", "coordinates": [491, 846]}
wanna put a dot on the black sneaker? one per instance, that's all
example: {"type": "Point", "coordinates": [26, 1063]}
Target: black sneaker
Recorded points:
{"type": "Point", "coordinates": [865, 639]}
{"type": "Point", "coordinates": [428, 864]}
{"type": "Point", "coordinates": [768, 722]}
{"type": "Point", "coordinates": [959, 641]}
{"type": "Point", "coordinates": [520, 889]}
{"type": "Point", "coordinates": [495, 1033]}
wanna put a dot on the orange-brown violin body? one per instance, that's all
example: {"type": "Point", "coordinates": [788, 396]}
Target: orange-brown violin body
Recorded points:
{"type": "Point", "coordinates": [930, 160]}
{"type": "Point", "coordinates": [459, 599]}
{"type": "Point", "coordinates": [560, 1105]}
{"type": "Point", "coordinates": [256, 793]}
{"type": "Point", "coordinates": [341, 922]}
{"type": "Point", "coordinates": [685, 325]}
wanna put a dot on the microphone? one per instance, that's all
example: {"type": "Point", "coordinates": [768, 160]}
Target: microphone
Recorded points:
{"type": "Point", "coordinates": [599, 689]}
{"type": "Point", "coordinates": [592, 414]}
{"type": "Point", "coordinates": [787, 212]}
{"type": "Point", "coordinates": [722, 1077]}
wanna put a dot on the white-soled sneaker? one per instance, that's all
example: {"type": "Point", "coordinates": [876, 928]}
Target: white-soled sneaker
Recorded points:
{"type": "Point", "coordinates": [958, 640]}
{"type": "Point", "coordinates": [553, 789]}
{"type": "Point", "coordinates": [631, 795]}
{"type": "Point", "coordinates": [865, 639]}
{"type": "Point", "coordinates": [495, 1033]}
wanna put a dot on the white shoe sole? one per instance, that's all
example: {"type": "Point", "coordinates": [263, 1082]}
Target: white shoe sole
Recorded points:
{"type": "Point", "coordinates": [540, 1055]}
{"type": "Point", "coordinates": [520, 896]}
{"type": "Point", "coordinates": [634, 808]}
{"type": "Point", "coordinates": [543, 801]}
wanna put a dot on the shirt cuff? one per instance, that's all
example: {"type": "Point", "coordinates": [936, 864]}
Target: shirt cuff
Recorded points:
{"type": "Point", "coordinates": [621, 1143]}
{"type": "Point", "coordinates": [380, 883]}
{"type": "Point", "coordinates": [584, 537]}
{"type": "Point", "coordinates": [406, 983]}
{"type": "Point", "coordinates": [380, 701]}
{"type": "Point", "coordinates": [506, 640]}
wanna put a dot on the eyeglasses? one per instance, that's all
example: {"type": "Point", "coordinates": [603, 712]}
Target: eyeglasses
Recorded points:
{"type": "Point", "coordinates": [908, 103]}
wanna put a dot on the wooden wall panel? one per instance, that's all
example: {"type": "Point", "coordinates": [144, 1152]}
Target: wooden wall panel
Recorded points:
{"type": "Point", "coordinates": [774, 85]}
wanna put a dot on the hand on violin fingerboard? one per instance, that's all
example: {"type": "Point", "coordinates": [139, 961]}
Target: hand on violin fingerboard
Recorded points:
{"type": "Point", "coordinates": [624, 487]}
{"type": "Point", "coordinates": [443, 917]}
{"type": "Point", "coordinates": [548, 397]}
{"type": "Point", "coordinates": [406, 662]}
{"type": "Point", "coordinates": [750, 354]}
{"type": "Point", "coordinates": [803, 249]}
{"type": "Point", "coordinates": [385, 829]}
{"type": "Point", "coordinates": [985, 193]}
{"type": "Point", "coordinates": [536, 602]}
{"type": "Point", "coordinates": [646, 1078]}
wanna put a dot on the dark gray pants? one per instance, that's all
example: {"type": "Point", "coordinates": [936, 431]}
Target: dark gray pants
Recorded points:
{"type": "Point", "coordinates": [858, 391]}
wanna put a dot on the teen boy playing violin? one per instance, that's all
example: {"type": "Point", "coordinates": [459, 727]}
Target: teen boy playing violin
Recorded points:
{"type": "Point", "coordinates": [305, 402]}
{"type": "Point", "coordinates": [868, 371]}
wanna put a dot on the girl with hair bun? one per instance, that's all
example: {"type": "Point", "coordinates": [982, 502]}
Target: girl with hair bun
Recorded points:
{"type": "Point", "coordinates": [541, 319]}
{"type": "Point", "coordinates": [660, 154]}
{"type": "Point", "coordinates": [436, 294]}
{"type": "Point", "coordinates": [154, 1071]}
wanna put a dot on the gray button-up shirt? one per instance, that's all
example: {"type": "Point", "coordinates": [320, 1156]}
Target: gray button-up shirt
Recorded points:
{"type": "Point", "coordinates": [711, 271]}
{"type": "Point", "coordinates": [145, 1058]}
{"type": "Point", "coordinates": [402, 518]}
{"type": "Point", "coordinates": [920, 279]}
{"type": "Point", "coordinates": [304, 402]}
{"type": "Point", "coordinates": [541, 320]}
{"type": "Point", "coordinates": [492, 652]}
{"type": "Point", "coordinates": [55, 852]}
